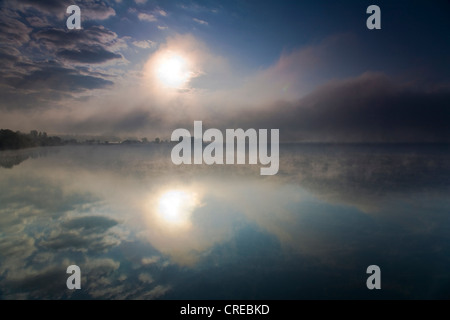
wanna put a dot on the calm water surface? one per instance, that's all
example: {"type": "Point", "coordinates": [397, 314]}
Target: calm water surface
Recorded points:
{"type": "Point", "coordinates": [140, 227]}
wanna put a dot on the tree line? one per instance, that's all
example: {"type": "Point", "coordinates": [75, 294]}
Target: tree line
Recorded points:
{"type": "Point", "coordinates": [18, 140]}
{"type": "Point", "coordinates": [10, 140]}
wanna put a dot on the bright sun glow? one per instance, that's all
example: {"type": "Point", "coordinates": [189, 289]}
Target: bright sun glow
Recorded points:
{"type": "Point", "coordinates": [172, 70]}
{"type": "Point", "coordinates": [175, 207]}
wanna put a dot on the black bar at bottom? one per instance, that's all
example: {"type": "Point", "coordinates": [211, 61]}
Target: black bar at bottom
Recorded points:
{"type": "Point", "coordinates": [216, 309]}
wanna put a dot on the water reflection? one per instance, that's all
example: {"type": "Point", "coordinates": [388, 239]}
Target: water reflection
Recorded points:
{"type": "Point", "coordinates": [175, 208]}
{"type": "Point", "coordinates": [141, 228]}
{"type": "Point", "coordinates": [9, 159]}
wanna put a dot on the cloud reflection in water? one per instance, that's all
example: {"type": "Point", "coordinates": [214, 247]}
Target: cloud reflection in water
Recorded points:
{"type": "Point", "coordinates": [140, 227]}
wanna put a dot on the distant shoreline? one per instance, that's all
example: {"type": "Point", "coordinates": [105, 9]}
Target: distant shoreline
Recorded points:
{"type": "Point", "coordinates": [10, 140]}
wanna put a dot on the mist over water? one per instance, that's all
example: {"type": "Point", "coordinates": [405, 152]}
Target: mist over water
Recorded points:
{"type": "Point", "coordinates": [140, 227]}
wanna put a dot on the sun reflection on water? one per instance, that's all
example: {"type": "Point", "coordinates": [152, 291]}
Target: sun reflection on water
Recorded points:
{"type": "Point", "coordinates": [175, 207]}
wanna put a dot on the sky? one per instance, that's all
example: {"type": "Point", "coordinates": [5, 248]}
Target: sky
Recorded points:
{"type": "Point", "coordinates": [144, 68]}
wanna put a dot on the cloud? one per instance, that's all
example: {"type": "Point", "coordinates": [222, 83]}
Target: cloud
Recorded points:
{"type": "Point", "coordinates": [29, 283]}
{"type": "Point", "coordinates": [96, 268]}
{"type": "Point", "coordinates": [162, 27]}
{"type": "Point", "coordinates": [93, 54]}
{"type": "Point", "coordinates": [49, 77]}
{"type": "Point", "coordinates": [299, 71]}
{"type": "Point", "coordinates": [367, 108]}
{"type": "Point", "coordinates": [92, 223]}
{"type": "Point", "coordinates": [54, 40]}
{"type": "Point", "coordinates": [161, 12]}
{"type": "Point", "coordinates": [88, 233]}
{"type": "Point", "coordinates": [90, 9]}
{"type": "Point", "coordinates": [147, 17]}
{"type": "Point", "coordinates": [150, 16]}
{"type": "Point", "coordinates": [146, 278]}
{"type": "Point", "coordinates": [49, 282]}
{"type": "Point", "coordinates": [144, 44]}
{"type": "Point", "coordinates": [9, 56]}
{"type": "Point", "coordinates": [156, 292]}
{"type": "Point", "coordinates": [150, 260]}
{"type": "Point", "coordinates": [12, 31]}
{"type": "Point", "coordinates": [16, 246]}
{"type": "Point", "coordinates": [29, 81]}
{"type": "Point", "coordinates": [38, 22]}
{"type": "Point", "coordinates": [97, 10]}
{"type": "Point", "coordinates": [197, 8]}
{"type": "Point", "coordinates": [203, 22]}
{"type": "Point", "coordinates": [47, 225]}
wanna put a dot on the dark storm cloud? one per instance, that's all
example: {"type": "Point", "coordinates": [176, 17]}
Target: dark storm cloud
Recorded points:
{"type": "Point", "coordinates": [95, 54]}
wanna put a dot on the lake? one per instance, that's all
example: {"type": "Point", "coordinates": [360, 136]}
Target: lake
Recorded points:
{"type": "Point", "coordinates": [140, 227]}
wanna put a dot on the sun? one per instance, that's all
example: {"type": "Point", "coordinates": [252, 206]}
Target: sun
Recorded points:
{"type": "Point", "coordinates": [172, 70]}
{"type": "Point", "coordinates": [175, 207]}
